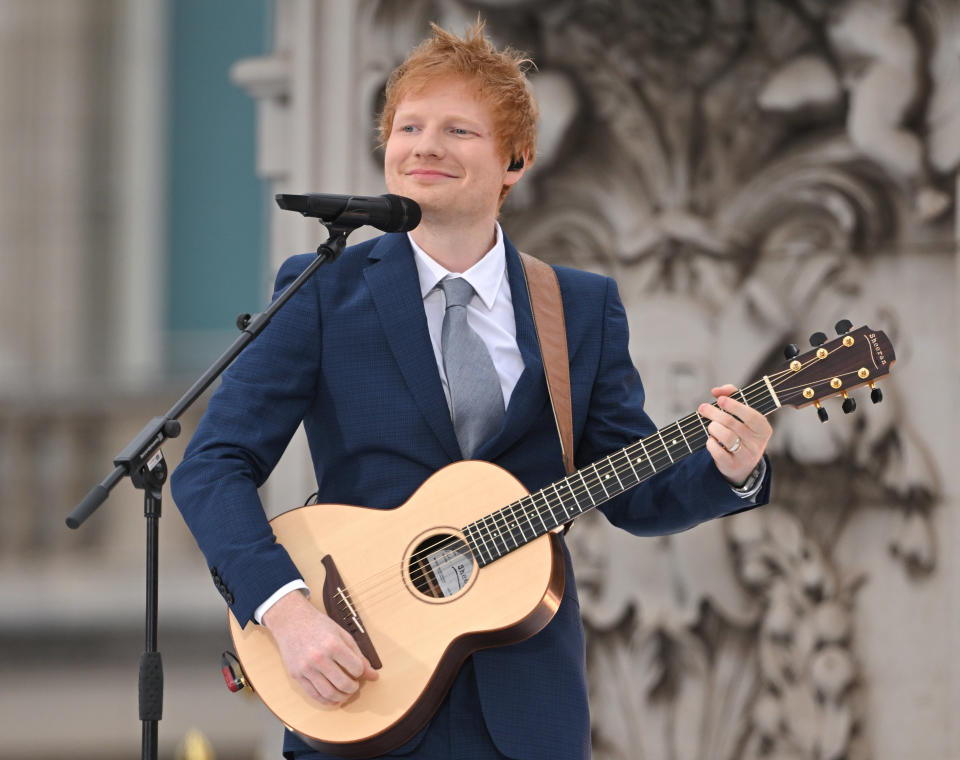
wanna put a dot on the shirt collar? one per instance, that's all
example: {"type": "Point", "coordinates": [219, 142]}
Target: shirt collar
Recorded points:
{"type": "Point", "coordinates": [485, 276]}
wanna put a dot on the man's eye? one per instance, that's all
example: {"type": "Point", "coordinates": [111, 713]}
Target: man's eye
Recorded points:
{"type": "Point", "coordinates": [408, 128]}
{"type": "Point", "coordinates": [460, 131]}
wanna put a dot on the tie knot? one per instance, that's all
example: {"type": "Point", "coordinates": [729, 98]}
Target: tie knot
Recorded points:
{"type": "Point", "coordinates": [457, 291]}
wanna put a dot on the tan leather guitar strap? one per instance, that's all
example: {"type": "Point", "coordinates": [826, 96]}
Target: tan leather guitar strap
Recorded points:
{"type": "Point", "coordinates": [544, 292]}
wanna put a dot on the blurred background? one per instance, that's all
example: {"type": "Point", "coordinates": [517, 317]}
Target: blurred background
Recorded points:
{"type": "Point", "coordinates": [750, 171]}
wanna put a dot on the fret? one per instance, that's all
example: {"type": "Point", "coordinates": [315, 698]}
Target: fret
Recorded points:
{"type": "Point", "coordinates": [611, 476]}
{"type": "Point", "coordinates": [586, 488]}
{"type": "Point", "coordinates": [663, 443]}
{"type": "Point", "coordinates": [526, 513]}
{"type": "Point", "coordinates": [500, 529]}
{"type": "Point", "coordinates": [607, 474]}
{"type": "Point", "coordinates": [509, 524]}
{"type": "Point", "coordinates": [594, 485]}
{"type": "Point", "coordinates": [697, 438]}
{"type": "Point", "coordinates": [539, 512]}
{"type": "Point", "coordinates": [685, 442]}
{"type": "Point", "coordinates": [596, 472]}
{"type": "Point", "coordinates": [558, 519]}
{"type": "Point", "coordinates": [502, 520]}
{"type": "Point", "coordinates": [516, 525]}
{"type": "Point", "coordinates": [470, 531]}
{"type": "Point", "coordinates": [703, 424]}
{"type": "Point", "coordinates": [616, 474]}
{"type": "Point", "coordinates": [572, 494]}
{"type": "Point", "coordinates": [630, 462]}
{"type": "Point", "coordinates": [477, 527]}
{"type": "Point", "coordinates": [647, 453]}
{"type": "Point", "coordinates": [675, 442]}
{"type": "Point", "coordinates": [744, 398]}
{"type": "Point", "coordinates": [494, 534]}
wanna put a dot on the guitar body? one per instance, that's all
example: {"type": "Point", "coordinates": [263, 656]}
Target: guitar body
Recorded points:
{"type": "Point", "coordinates": [420, 632]}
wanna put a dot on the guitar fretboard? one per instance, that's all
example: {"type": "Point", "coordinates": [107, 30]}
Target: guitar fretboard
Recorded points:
{"type": "Point", "coordinates": [536, 514]}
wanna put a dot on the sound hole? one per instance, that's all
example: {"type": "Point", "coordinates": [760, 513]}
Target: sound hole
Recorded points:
{"type": "Point", "coordinates": [440, 566]}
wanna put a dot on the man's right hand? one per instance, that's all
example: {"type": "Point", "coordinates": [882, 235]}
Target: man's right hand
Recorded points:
{"type": "Point", "coordinates": [320, 655]}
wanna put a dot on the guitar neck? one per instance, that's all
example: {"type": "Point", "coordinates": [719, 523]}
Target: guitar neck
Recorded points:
{"type": "Point", "coordinates": [536, 514]}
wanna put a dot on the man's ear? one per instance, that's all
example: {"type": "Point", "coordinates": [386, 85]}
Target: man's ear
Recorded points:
{"type": "Point", "coordinates": [515, 170]}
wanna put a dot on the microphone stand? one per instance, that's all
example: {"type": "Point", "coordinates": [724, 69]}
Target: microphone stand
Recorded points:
{"type": "Point", "coordinates": [143, 462]}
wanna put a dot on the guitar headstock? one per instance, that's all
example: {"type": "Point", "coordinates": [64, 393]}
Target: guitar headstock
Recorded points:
{"type": "Point", "coordinates": [834, 368]}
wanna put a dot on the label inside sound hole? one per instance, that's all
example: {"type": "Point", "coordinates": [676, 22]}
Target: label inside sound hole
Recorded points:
{"type": "Point", "coordinates": [451, 568]}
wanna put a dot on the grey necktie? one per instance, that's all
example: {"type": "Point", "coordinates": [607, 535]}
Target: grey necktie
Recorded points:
{"type": "Point", "coordinates": [472, 380]}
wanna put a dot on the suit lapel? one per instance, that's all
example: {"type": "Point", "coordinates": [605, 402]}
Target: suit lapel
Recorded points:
{"type": "Point", "coordinates": [530, 393]}
{"type": "Point", "coordinates": [395, 289]}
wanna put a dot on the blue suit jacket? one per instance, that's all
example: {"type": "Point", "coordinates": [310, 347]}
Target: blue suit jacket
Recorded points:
{"type": "Point", "coordinates": [350, 356]}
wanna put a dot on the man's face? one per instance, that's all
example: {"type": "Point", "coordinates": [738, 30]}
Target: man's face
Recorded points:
{"type": "Point", "coordinates": [442, 152]}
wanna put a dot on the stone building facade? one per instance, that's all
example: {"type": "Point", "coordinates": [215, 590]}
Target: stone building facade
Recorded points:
{"type": "Point", "coordinates": [750, 171]}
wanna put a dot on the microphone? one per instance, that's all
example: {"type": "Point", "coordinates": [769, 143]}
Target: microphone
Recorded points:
{"type": "Point", "coordinates": [390, 213]}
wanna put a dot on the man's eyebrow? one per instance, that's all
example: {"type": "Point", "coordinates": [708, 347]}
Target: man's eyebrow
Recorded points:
{"type": "Point", "coordinates": [449, 117]}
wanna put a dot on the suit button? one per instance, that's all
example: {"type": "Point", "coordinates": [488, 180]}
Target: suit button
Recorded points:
{"type": "Point", "coordinates": [229, 597]}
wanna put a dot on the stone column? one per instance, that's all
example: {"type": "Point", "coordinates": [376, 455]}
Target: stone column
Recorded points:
{"type": "Point", "coordinates": [305, 130]}
{"type": "Point", "coordinates": [53, 171]}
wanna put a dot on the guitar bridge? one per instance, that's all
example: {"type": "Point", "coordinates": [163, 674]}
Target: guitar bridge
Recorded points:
{"type": "Point", "coordinates": [340, 607]}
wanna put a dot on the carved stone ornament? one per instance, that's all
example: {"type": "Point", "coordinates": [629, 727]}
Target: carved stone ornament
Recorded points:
{"type": "Point", "coordinates": [742, 169]}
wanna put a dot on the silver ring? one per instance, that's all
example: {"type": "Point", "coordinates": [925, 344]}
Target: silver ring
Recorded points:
{"type": "Point", "coordinates": [735, 447]}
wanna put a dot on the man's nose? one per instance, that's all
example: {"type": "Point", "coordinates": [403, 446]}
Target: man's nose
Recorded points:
{"type": "Point", "coordinates": [430, 144]}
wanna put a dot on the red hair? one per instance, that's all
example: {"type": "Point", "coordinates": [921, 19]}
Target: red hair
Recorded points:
{"type": "Point", "coordinates": [499, 77]}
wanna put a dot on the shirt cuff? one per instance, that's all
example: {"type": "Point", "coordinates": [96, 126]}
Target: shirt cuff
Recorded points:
{"type": "Point", "coordinates": [276, 596]}
{"type": "Point", "coordinates": [753, 483]}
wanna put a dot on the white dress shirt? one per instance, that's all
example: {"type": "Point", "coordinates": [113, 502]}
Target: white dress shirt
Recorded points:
{"type": "Point", "coordinates": [489, 311]}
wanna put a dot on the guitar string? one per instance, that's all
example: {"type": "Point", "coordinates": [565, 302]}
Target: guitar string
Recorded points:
{"type": "Point", "coordinates": [513, 521]}
{"type": "Point", "coordinates": [501, 520]}
{"type": "Point", "coordinates": [693, 422]}
{"type": "Point", "coordinates": [517, 521]}
{"type": "Point", "coordinates": [371, 600]}
{"type": "Point", "coordinates": [510, 522]}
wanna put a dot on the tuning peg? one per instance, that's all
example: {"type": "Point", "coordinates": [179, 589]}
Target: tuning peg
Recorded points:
{"type": "Point", "coordinates": [818, 339]}
{"type": "Point", "coordinates": [791, 350]}
{"type": "Point", "coordinates": [843, 326]}
{"type": "Point", "coordinates": [822, 413]}
{"type": "Point", "coordinates": [876, 395]}
{"type": "Point", "coordinates": [849, 404]}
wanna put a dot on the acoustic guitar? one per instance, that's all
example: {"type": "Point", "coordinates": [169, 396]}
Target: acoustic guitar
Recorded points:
{"type": "Point", "coordinates": [473, 560]}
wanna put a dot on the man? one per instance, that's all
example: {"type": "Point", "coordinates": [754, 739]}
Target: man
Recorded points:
{"type": "Point", "coordinates": [360, 356]}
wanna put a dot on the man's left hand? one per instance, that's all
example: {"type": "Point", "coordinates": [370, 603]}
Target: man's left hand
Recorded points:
{"type": "Point", "coordinates": [738, 435]}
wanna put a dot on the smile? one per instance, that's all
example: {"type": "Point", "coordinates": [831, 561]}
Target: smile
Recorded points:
{"type": "Point", "coordinates": [428, 173]}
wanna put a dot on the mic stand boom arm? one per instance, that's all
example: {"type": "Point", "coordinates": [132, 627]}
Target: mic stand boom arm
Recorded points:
{"type": "Point", "coordinates": [143, 462]}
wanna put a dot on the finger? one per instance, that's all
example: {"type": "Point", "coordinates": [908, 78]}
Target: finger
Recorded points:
{"type": "Point", "coordinates": [312, 691]}
{"type": "Point", "coordinates": [752, 425]}
{"type": "Point", "coordinates": [724, 390]}
{"type": "Point", "coordinates": [749, 418]}
{"type": "Point", "coordinates": [727, 438]}
{"type": "Point", "coordinates": [339, 684]}
{"type": "Point", "coordinates": [353, 660]}
{"type": "Point", "coordinates": [368, 671]}
{"type": "Point", "coordinates": [723, 426]}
